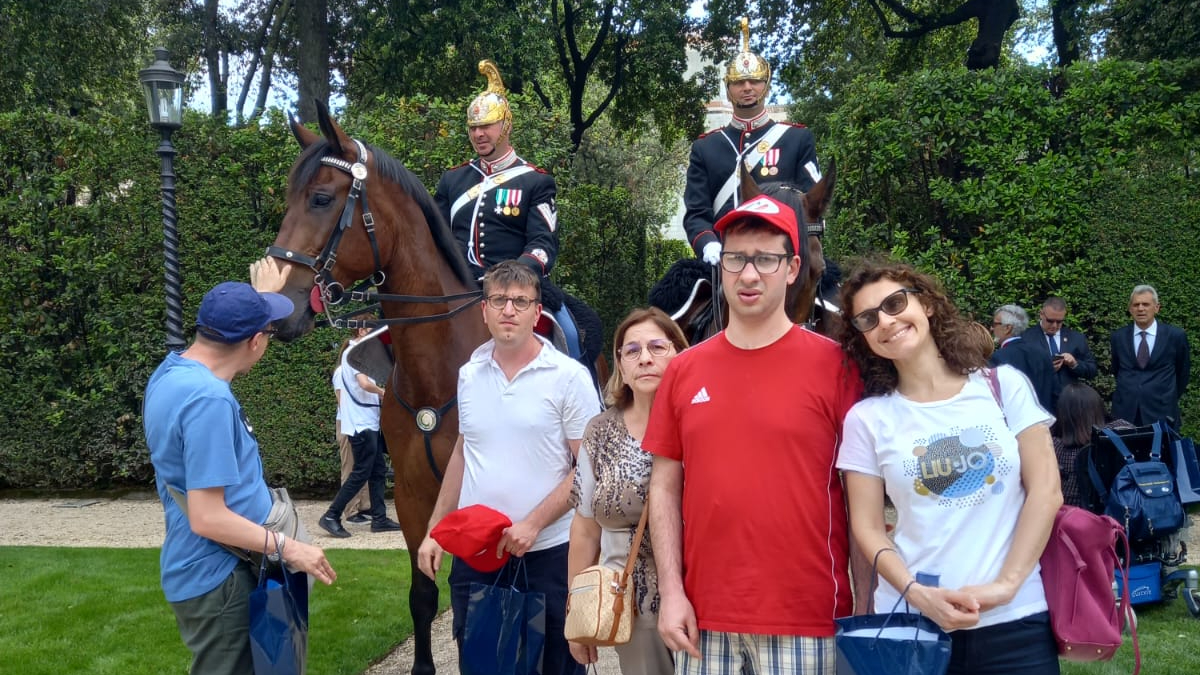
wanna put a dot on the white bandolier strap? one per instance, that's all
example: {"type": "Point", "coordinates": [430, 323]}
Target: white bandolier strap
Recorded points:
{"type": "Point", "coordinates": [752, 157]}
{"type": "Point", "coordinates": [477, 192]}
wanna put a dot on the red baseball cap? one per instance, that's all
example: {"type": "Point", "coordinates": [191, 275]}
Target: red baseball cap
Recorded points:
{"type": "Point", "coordinates": [472, 533]}
{"type": "Point", "coordinates": [765, 210]}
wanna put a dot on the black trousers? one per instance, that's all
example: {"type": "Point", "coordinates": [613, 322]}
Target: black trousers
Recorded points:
{"type": "Point", "coordinates": [370, 469]}
{"type": "Point", "coordinates": [1022, 647]}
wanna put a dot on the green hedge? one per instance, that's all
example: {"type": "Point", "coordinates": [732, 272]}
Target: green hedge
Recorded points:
{"type": "Point", "coordinates": [82, 322]}
{"type": "Point", "coordinates": [1009, 194]}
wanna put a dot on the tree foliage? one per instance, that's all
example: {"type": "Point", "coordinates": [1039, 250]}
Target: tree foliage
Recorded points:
{"type": "Point", "coordinates": [70, 55]}
{"type": "Point", "coordinates": [1009, 193]}
{"type": "Point", "coordinates": [583, 57]}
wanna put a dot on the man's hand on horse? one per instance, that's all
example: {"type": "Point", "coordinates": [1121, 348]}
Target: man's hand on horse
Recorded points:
{"type": "Point", "coordinates": [267, 275]}
{"type": "Point", "coordinates": [429, 557]}
{"type": "Point", "coordinates": [518, 538]}
{"type": "Point", "coordinates": [711, 253]}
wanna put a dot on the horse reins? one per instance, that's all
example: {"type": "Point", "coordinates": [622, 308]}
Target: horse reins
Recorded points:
{"type": "Point", "coordinates": [333, 293]}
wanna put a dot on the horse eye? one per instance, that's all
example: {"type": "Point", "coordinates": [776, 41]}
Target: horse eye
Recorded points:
{"type": "Point", "coordinates": [320, 200]}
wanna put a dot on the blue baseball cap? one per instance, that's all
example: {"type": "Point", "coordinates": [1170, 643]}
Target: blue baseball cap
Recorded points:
{"type": "Point", "coordinates": [233, 311]}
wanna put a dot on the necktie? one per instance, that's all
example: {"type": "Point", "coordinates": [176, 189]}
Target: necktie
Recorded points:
{"type": "Point", "coordinates": [1053, 345]}
{"type": "Point", "coordinates": [1143, 353]}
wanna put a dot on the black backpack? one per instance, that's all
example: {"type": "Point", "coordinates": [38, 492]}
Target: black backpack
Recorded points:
{"type": "Point", "coordinates": [1141, 496]}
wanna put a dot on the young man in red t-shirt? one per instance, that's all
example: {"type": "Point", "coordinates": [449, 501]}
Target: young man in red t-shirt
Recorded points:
{"type": "Point", "coordinates": [747, 512]}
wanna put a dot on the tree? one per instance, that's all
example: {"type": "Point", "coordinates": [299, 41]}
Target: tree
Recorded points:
{"type": "Point", "coordinates": [586, 57]}
{"type": "Point", "coordinates": [69, 55]}
{"type": "Point", "coordinates": [312, 58]}
{"type": "Point", "coordinates": [1144, 30]}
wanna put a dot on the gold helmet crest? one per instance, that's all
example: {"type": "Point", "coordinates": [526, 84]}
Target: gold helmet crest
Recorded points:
{"type": "Point", "coordinates": [491, 105]}
{"type": "Point", "coordinates": [747, 65]}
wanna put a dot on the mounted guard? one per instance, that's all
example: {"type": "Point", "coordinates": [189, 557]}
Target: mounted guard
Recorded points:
{"type": "Point", "coordinates": [771, 151]}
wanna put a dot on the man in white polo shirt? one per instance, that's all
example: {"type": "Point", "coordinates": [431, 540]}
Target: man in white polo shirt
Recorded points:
{"type": "Point", "coordinates": [522, 410]}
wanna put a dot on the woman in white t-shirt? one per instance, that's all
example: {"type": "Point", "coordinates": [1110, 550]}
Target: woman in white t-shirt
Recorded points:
{"type": "Point", "coordinates": [975, 486]}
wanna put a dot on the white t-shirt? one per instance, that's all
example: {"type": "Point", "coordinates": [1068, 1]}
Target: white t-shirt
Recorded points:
{"type": "Point", "coordinates": [358, 409]}
{"type": "Point", "coordinates": [515, 433]}
{"type": "Point", "coordinates": [953, 471]}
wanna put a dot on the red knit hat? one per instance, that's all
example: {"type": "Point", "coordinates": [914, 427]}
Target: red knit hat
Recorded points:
{"type": "Point", "coordinates": [472, 533]}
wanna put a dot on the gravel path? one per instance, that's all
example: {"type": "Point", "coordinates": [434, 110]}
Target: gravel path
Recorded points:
{"type": "Point", "coordinates": [135, 521]}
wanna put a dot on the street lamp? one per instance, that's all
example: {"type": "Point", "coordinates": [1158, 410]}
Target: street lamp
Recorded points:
{"type": "Point", "coordinates": [164, 101]}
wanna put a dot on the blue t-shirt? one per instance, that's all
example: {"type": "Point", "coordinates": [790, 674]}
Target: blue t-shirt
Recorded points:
{"type": "Point", "coordinates": [198, 438]}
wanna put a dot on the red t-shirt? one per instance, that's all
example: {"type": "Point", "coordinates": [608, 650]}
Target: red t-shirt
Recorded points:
{"type": "Point", "coordinates": [765, 543]}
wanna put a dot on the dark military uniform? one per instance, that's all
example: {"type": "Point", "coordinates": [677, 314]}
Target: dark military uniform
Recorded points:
{"type": "Point", "coordinates": [507, 215]}
{"type": "Point", "coordinates": [773, 151]}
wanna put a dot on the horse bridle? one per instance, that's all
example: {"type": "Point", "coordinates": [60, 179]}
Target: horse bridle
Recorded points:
{"type": "Point", "coordinates": [333, 293]}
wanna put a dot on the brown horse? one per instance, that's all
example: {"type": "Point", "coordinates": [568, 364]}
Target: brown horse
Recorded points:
{"type": "Point", "coordinates": [399, 242]}
{"type": "Point", "coordinates": [810, 300]}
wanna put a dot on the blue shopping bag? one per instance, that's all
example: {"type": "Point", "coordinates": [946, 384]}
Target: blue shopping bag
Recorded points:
{"type": "Point", "coordinates": [279, 622]}
{"type": "Point", "coordinates": [505, 631]}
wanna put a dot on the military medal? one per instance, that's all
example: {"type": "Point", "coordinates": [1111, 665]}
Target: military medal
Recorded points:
{"type": "Point", "coordinates": [500, 207]}
{"type": "Point", "coordinates": [514, 199]}
{"type": "Point", "coordinates": [770, 160]}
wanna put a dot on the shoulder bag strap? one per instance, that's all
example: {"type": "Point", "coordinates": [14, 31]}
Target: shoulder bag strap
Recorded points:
{"type": "Point", "coordinates": [637, 542]}
{"type": "Point", "coordinates": [181, 502]}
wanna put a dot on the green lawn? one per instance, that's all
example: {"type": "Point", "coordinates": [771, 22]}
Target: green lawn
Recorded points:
{"type": "Point", "coordinates": [101, 612]}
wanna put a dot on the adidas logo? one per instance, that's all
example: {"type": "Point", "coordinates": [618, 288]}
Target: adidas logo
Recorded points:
{"type": "Point", "coordinates": [701, 396]}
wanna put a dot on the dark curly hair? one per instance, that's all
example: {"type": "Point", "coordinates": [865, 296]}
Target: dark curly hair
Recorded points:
{"type": "Point", "coordinates": [956, 339]}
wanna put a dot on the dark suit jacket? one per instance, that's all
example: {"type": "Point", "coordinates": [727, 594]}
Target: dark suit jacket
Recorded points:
{"type": "Point", "coordinates": [1145, 395]}
{"type": "Point", "coordinates": [1072, 342]}
{"type": "Point", "coordinates": [1028, 357]}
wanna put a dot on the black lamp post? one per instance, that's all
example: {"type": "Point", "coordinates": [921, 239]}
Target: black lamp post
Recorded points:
{"type": "Point", "coordinates": [164, 100]}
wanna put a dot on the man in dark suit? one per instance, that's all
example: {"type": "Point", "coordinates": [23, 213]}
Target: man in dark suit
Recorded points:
{"type": "Point", "coordinates": [1068, 349]}
{"type": "Point", "coordinates": [1151, 361]}
{"type": "Point", "coordinates": [1009, 324]}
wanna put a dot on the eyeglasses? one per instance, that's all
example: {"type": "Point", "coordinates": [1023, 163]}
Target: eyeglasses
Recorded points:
{"type": "Point", "coordinates": [893, 304]}
{"type": "Point", "coordinates": [269, 332]}
{"type": "Point", "coordinates": [520, 302]}
{"type": "Point", "coordinates": [658, 348]}
{"type": "Point", "coordinates": [765, 263]}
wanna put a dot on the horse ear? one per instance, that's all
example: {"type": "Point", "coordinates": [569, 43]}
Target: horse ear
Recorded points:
{"type": "Point", "coordinates": [333, 134]}
{"type": "Point", "coordinates": [816, 200]}
{"type": "Point", "coordinates": [303, 135]}
{"type": "Point", "coordinates": [749, 188]}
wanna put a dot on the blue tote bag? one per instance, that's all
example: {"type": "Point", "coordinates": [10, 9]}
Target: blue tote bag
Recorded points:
{"type": "Point", "coordinates": [279, 622]}
{"type": "Point", "coordinates": [896, 643]}
{"type": "Point", "coordinates": [505, 631]}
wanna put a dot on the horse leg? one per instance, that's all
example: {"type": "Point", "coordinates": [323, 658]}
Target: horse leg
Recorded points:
{"type": "Point", "coordinates": [422, 606]}
{"type": "Point", "coordinates": [414, 505]}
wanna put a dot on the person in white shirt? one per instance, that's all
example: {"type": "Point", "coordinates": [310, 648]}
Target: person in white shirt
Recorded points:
{"type": "Point", "coordinates": [359, 417]}
{"type": "Point", "coordinates": [357, 510]}
{"type": "Point", "coordinates": [522, 410]}
{"type": "Point", "coordinates": [974, 481]}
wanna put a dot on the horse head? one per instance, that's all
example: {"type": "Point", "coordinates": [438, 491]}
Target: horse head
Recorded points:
{"type": "Point", "coordinates": [333, 236]}
{"type": "Point", "coordinates": [810, 210]}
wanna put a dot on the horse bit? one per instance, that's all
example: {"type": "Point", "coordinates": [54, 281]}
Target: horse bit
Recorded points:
{"type": "Point", "coordinates": [333, 293]}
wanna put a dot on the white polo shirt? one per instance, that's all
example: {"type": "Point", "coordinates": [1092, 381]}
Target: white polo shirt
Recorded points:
{"type": "Point", "coordinates": [515, 433]}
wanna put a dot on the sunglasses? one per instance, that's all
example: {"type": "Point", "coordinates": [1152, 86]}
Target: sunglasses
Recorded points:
{"type": "Point", "coordinates": [659, 348]}
{"type": "Point", "coordinates": [893, 304]}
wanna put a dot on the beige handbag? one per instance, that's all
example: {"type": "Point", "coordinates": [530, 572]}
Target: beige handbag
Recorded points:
{"type": "Point", "coordinates": [600, 603]}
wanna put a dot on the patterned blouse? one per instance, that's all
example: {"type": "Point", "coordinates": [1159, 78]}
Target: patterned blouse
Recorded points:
{"type": "Point", "coordinates": [611, 483]}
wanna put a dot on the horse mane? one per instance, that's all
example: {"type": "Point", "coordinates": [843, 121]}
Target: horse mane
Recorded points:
{"type": "Point", "coordinates": [391, 169]}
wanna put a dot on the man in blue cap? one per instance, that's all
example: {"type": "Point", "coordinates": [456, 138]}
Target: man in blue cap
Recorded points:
{"type": "Point", "coordinates": [203, 446]}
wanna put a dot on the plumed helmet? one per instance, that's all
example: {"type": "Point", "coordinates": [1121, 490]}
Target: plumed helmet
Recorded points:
{"type": "Point", "coordinates": [491, 105]}
{"type": "Point", "coordinates": [747, 65]}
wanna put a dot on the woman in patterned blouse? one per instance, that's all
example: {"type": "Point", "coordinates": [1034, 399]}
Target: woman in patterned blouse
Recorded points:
{"type": "Point", "coordinates": [611, 481]}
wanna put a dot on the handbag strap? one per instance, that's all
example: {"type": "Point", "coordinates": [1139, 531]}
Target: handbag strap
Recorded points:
{"type": "Point", "coordinates": [637, 542]}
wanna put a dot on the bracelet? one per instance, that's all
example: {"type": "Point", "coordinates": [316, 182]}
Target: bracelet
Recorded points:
{"type": "Point", "coordinates": [279, 544]}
